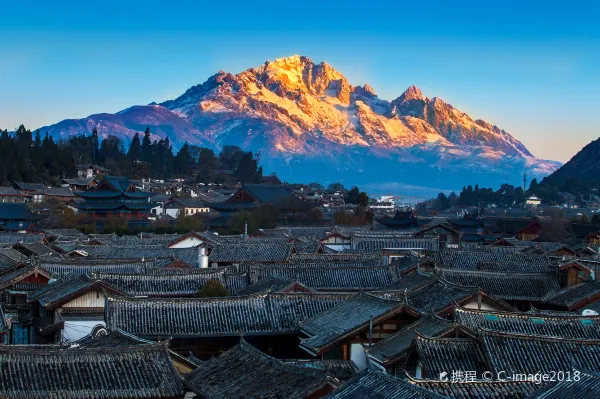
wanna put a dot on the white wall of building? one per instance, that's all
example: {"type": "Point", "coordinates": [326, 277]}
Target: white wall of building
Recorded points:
{"type": "Point", "coordinates": [189, 242]}
{"type": "Point", "coordinates": [77, 329]}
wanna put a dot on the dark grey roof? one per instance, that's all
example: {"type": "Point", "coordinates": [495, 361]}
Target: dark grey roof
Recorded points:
{"type": "Point", "coordinates": [568, 326]}
{"type": "Point", "coordinates": [438, 295]}
{"type": "Point", "coordinates": [437, 355]}
{"type": "Point", "coordinates": [376, 385]}
{"type": "Point", "coordinates": [261, 314]}
{"type": "Point", "coordinates": [331, 278]}
{"type": "Point", "coordinates": [451, 259]}
{"type": "Point", "coordinates": [397, 344]}
{"type": "Point", "coordinates": [572, 296]}
{"type": "Point", "coordinates": [311, 247]}
{"type": "Point", "coordinates": [81, 266]}
{"type": "Point", "coordinates": [479, 389]}
{"type": "Point", "coordinates": [377, 244]}
{"type": "Point", "coordinates": [188, 256]}
{"type": "Point", "coordinates": [163, 284]}
{"type": "Point", "coordinates": [340, 369]}
{"type": "Point", "coordinates": [245, 372]}
{"type": "Point", "coordinates": [58, 191]}
{"type": "Point", "coordinates": [507, 286]}
{"type": "Point", "coordinates": [530, 354]}
{"type": "Point", "coordinates": [9, 191]}
{"type": "Point", "coordinates": [272, 284]}
{"type": "Point", "coordinates": [369, 259]}
{"type": "Point", "coordinates": [29, 186]}
{"type": "Point", "coordinates": [140, 371]}
{"type": "Point", "coordinates": [8, 238]}
{"type": "Point", "coordinates": [36, 249]}
{"type": "Point", "coordinates": [345, 319]}
{"type": "Point", "coordinates": [11, 256]}
{"type": "Point", "coordinates": [53, 295]}
{"type": "Point", "coordinates": [66, 234]}
{"type": "Point", "coordinates": [251, 252]}
{"type": "Point", "coordinates": [586, 387]}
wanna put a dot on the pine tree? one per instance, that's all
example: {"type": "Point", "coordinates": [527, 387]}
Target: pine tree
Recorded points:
{"type": "Point", "coordinates": [147, 146]}
{"type": "Point", "coordinates": [135, 149]}
{"type": "Point", "coordinates": [95, 144]}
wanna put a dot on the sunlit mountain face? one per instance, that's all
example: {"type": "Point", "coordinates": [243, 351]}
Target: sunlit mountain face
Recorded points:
{"type": "Point", "coordinates": [310, 124]}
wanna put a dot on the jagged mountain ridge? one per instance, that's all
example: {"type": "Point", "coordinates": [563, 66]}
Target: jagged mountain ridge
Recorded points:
{"type": "Point", "coordinates": [300, 114]}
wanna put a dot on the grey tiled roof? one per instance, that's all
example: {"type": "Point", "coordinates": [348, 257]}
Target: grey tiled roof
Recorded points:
{"type": "Point", "coordinates": [334, 259]}
{"type": "Point", "coordinates": [451, 259]}
{"type": "Point", "coordinates": [574, 326]}
{"type": "Point", "coordinates": [140, 371]}
{"type": "Point", "coordinates": [7, 238]}
{"type": "Point", "coordinates": [188, 256]}
{"type": "Point", "coordinates": [311, 247]}
{"type": "Point", "coordinates": [162, 284]}
{"type": "Point", "coordinates": [331, 278]}
{"type": "Point", "coordinates": [377, 244]}
{"type": "Point", "coordinates": [397, 344]}
{"type": "Point", "coordinates": [209, 317]}
{"type": "Point", "coordinates": [245, 372]}
{"type": "Point", "coordinates": [340, 369]}
{"type": "Point", "coordinates": [376, 385]}
{"type": "Point", "coordinates": [570, 296]}
{"type": "Point", "coordinates": [345, 318]}
{"type": "Point", "coordinates": [251, 252]}
{"type": "Point", "coordinates": [437, 355]}
{"type": "Point", "coordinates": [479, 389]}
{"type": "Point", "coordinates": [445, 295]}
{"type": "Point", "coordinates": [587, 387]}
{"type": "Point", "coordinates": [506, 286]}
{"type": "Point", "coordinates": [272, 284]}
{"type": "Point", "coordinates": [529, 354]}
{"type": "Point", "coordinates": [81, 266]}
{"type": "Point", "coordinates": [60, 291]}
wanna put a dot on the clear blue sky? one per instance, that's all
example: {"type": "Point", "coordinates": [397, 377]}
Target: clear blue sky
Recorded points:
{"type": "Point", "coordinates": [532, 69]}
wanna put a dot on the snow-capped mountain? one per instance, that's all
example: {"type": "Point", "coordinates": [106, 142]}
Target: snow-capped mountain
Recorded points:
{"type": "Point", "coordinates": [309, 123]}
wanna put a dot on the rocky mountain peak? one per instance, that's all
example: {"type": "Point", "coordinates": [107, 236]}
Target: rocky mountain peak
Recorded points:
{"type": "Point", "coordinates": [412, 93]}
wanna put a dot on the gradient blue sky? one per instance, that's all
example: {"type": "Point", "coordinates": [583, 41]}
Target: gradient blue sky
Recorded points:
{"type": "Point", "coordinates": [532, 69]}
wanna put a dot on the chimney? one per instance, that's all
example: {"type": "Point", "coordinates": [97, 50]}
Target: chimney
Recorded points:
{"type": "Point", "coordinates": [202, 258]}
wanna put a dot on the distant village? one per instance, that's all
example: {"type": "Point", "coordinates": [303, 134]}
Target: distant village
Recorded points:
{"type": "Point", "coordinates": [158, 288]}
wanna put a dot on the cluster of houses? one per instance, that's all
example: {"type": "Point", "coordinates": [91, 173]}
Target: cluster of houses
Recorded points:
{"type": "Point", "coordinates": [407, 308]}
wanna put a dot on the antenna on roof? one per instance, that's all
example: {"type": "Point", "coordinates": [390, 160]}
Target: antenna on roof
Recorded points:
{"type": "Point", "coordinates": [370, 330]}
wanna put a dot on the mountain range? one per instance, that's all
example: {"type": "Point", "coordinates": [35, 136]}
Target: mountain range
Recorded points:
{"type": "Point", "coordinates": [310, 124]}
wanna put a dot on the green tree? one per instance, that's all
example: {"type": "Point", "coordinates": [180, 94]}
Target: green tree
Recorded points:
{"type": "Point", "coordinates": [212, 289]}
{"type": "Point", "coordinates": [146, 146]}
{"type": "Point", "coordinates": [362, 199]}
{"type": "Point", "coordinates": [135, 149]}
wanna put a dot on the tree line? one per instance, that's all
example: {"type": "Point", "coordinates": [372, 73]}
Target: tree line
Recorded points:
{"type": "Point", "coordinates": [28, 157]}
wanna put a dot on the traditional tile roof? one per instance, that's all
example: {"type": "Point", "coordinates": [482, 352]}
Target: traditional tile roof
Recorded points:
{"type": "Point", "coordinates": [345, 319]}
{"type": "Point", "coordinates": [9, 191]}
{"type": "Point", "coordinates": [251, 252]}
{"type": "Point", "coordinates": [530, 354]}
{"type": "Point", "coordinates": [140, 371]}
{"type": "Point", "coordinates": [396, 345]}
{"type": "Point", "coordinates": [261, 314]}
{"type": "Point", "coordinates": [269, 284]}
{"type": "Point", "coordinates": [81, 266]}
{"type": "Point", "coordinates": [332, 278]}
{"type": "Point", "coordinates": [60, 292]}
{"type": "Point", "coordinates": [189, 256]}
{"type": "Point", "coordinates": [340, 369]}
{"type": "Point", "coordinates": [15, 274]}
{"type": "Point", "coordinates": [377, 244]}
{"type": "Point", "coordinates": [451, 259]}
{"type": "Point", "coordinates": [245, 372]}
{"type": "Point", "coordinates": [506, 286]}
{"type": "Point", "coordinates": [411, 282]}
{"type": "Point", "coordinates": [310, 247]}
{"type": "Point", "coordinates": [29, 186]}
{"type": "Point", "coordinates": [35, 249]}
{"type": "Point", "coordinates": [571, 297]}
{"type": "Point", "coordinates": [10, 238]}
{"type": "Point", "coordinates": [15, 211]}
{"type": "Point", "coordinates": [376, 385]}
{"type": "Point", "coordinates": [446, 295]}
{"type": "Point", "coordinates": [370, 259]}
{"type": "Point", "coordinates": [568, 326]}
{"type": "Point", "coordinates": [11, 256]}
{"type": "Point", "coordinates": [57, 192]}
{"type": "Point", "coordinates": [437, 355]}
{"type": "Point", "coordinates": [162, 284]}
{"type": "Point", "coordinates": [479, 389]}
{"type": "Point", "coordinates": [66, 234]}
{"type": "Point", "coordinates": [586, 387]}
